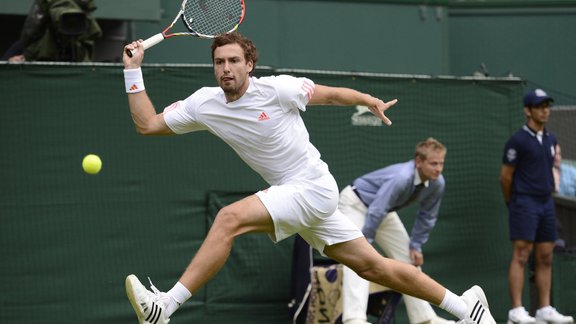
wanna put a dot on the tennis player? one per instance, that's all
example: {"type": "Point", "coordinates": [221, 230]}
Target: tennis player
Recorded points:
{"type": "Point", "coordinates": [259, 118]}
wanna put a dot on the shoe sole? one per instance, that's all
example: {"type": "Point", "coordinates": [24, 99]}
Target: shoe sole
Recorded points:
{"type": "Point", "coordinates": [131, 280]}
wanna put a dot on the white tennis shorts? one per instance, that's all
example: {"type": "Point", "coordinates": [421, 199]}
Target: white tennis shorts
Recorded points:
{"type": "Point", "coordinates": [308, 208]}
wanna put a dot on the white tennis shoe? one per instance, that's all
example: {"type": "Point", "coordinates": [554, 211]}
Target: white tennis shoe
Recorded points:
{"type": "Point", "coordinates": [356, 321]}
{"type": "Point", "coordinates": [150, 306]}
{"type": "Point", "coordinates": [439, 320]}
{"type": "Point", "coordinates": [519, 315]}
{"type": "Point", "coordinates": [478, 312]}
{"type": "Point", "coordinates": [549, 315]}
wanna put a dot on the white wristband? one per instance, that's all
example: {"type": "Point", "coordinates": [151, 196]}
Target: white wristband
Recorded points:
{"type": "Point", "coordinates": [133, 80]}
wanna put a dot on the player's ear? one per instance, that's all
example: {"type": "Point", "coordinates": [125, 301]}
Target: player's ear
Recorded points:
{"type": "Point", "coordinates": [250, 65]}
{"type": "Point", "coordinates": [418, 160]}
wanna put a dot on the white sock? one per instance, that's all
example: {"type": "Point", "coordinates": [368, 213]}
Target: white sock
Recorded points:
{"type": "Point", "coordinates": [454, 305]}
{"type": "Point", "coordinates": [178, 295]}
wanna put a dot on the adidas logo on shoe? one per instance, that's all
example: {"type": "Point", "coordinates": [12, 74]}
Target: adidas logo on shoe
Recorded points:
{"type": "Point", "coordinates": [477, 307]}
{"type": "Point", "coordinates": [149, 306]}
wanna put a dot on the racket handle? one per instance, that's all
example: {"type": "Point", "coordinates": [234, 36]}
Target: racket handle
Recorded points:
{"type": "Point", "coordinates": [148, 43]}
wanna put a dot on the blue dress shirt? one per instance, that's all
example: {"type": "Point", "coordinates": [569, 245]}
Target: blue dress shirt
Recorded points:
{"type": "Point", "coordinates": [567, 179]}
{"type": "Point", "coordinates": [388, 189]}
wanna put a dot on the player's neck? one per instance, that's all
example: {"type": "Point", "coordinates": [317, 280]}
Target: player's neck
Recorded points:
{"type": "Point", "coordinates": [232, 96]}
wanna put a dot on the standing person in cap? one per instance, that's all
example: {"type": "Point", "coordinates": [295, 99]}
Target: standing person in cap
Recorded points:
{"type": "Point", "coordinates": [527, 183]}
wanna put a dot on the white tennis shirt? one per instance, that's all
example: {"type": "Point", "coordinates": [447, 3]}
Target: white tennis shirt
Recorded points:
{"type": "Point", "coordinates": [264, 126]}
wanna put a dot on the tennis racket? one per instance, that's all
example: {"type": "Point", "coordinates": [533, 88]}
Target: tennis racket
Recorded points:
{"type": "Point", "coordinates": [204, 19]}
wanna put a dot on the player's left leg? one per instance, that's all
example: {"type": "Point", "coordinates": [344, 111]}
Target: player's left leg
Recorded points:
{"type": "Point", "coordinates": [243, 216]}
{"type": "Point", "coordinates": [360, 256]}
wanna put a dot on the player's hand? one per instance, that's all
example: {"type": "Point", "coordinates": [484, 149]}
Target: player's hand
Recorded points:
{"type": "Point", "coordinates": [417, 257]}
{"type": "Point", "coordinates": [17, 59]}
{"type": "Point", "coordinates": [379, 107]}
{"type": "Point", "coordinates": [369, 233]}
{"type": "Point", "coordinates": [135, 61]}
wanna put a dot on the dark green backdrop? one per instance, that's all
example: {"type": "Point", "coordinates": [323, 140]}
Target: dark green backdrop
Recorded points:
{"type": "Point", "coordinates": [68, 239]}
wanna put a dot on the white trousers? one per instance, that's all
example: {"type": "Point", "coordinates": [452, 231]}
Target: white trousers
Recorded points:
{"type": "Point", "coordinates": [393, 239]}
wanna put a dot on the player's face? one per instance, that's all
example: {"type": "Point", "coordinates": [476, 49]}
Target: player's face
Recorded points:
{"type": "Point", "coordinates": [231, 70]}
{"type": "Point", "coordinates": [431, 168]}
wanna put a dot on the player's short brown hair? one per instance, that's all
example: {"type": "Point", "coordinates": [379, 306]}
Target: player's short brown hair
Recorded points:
{"type": "Point", "coordinates": [250, 52]}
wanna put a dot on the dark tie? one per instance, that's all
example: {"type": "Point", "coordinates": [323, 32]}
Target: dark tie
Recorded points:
{"type": "Point", "coordinates": [415, 191]}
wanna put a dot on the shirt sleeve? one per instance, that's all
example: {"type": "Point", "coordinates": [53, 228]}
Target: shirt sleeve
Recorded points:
{"type": "Point", "coordinates": [426, 217]}
{"type": "Point", "coordinates": [181, 116]}
{"type": "Point", "coordinates": [511, 152]}
{"type": "Point", "coordinates": [567, 180]}
{"type": "Point", "coordinates": [293, 92]}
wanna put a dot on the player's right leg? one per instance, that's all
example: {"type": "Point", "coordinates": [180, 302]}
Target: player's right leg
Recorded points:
{"type": "Point", "coordinates": [150, 306]}
{"type": "Point", "coordinates": [246, 215]}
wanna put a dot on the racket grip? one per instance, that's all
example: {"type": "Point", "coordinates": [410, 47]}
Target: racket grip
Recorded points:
{"type": "Point", "coordinates": [148, 43]}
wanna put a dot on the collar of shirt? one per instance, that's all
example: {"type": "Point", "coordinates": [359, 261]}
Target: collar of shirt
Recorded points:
{"type": "Point", "coordinates": [533, 132]}
{"type": "Point", "coordinates": [251, 89]}
{"type": "Point", "coordinates": [418, 180]}
{"type": "Point", "coordinates": [538, 134]}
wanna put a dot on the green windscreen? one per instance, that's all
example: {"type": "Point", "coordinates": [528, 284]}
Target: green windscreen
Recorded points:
{"type": "Point", "coordinates": [68, 239]}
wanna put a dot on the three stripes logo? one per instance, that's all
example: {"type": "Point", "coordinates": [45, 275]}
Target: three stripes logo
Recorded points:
{"type": "Point", "coordinates": [154, 315]}
{"type": "Point", "coordinates": [477, 312]}
{"type": "Point", "coordinates": [263, 117]}
{"type": "Point", "coordinates": [134, 87]}
{"type": "Point", "coordinates": [308, 89]}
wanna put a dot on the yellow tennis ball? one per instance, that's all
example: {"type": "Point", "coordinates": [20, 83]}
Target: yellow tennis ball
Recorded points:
{"type": "Point", "coordinates": [91, 164]}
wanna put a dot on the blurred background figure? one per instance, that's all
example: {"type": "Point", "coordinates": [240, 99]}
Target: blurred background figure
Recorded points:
{"type": "Point", "coordinates": [564, 175]}
{"type": "Point", "coordinates": [57, 30]}
{"type": "Point", "coordinates": [527, 180]}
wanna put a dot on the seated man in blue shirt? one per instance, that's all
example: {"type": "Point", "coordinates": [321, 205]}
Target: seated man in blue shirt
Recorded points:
{"type": "Point", "coordinates": [371, 203]}
{"type": "Point", "coordinates": [564, 175]}
{"type": "Point", "coordinates": [567, 179]}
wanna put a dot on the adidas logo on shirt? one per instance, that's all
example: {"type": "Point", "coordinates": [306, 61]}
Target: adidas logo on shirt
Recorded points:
{"type": "Point", "coordinates": [263, 117]}
{"type": "Point", "coordinates": [134, 87]}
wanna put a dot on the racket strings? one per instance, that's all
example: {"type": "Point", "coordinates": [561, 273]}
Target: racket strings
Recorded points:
{"type": "Point", "coordinates": [212, 18]}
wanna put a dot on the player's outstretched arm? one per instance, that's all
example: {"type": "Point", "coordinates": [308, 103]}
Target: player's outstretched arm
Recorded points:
{"type": "Point", "coordinates": [144, 115]}
{"type": "Point", "coordinates": [325, 95]}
